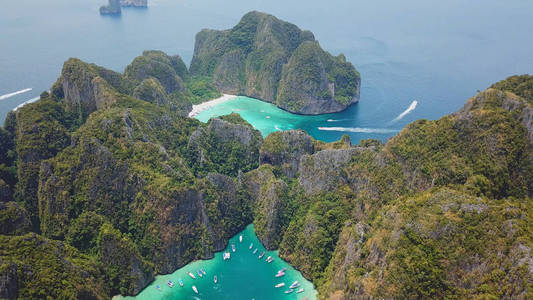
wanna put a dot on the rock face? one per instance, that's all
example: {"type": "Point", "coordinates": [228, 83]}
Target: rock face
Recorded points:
{"type": "Point", "coordinates": [13, 219]}
{"type": "Point", "coordinates": [112, 8]}
{"type": "Point", "coordinates": [285, 148]}
{"type": "Point", "coordinates": [266, 58]}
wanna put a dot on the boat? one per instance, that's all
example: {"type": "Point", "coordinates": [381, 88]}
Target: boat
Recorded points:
{"type": "Point", "coordinates": [215, 279]}
{"type": "Point", "coordinates": [180, 282]}
{"type": "Point", "coordinates": [289, 291]}
{"type": "Point", "coordinates": [255, 251]}
{"type": "Point", "coordinates": [170, 283]}
{"type": "Point", "coordinates": [295, 285]}
{"type": "Point", "coordinates": [261, 255]}
{"type": "Point", "coordinates": [282, 270]}
{"type": "Point", "coordinates": [240, 238]}
{"type": "Point", "coordinates": [233, 247]}
{"type": "Point", "coordinates": [269, 258]}
{"type": "Point", "coordinates": [299, 291]}
{"type": "Point", "coordinates": [280, 285]}
{"type": "Point", "coordinates": [191, 274]}
{"type": "Point", "coordinates": [203, 271]}
{"type": "Point", "coordinates": [226, 255]}
{"type": "Point", "coordinates": [251, 245]}
{"type": "Point", "coordinates": [199, 273]}
{"type": "Point", "coordinates": [158, 287]}
{"type": "Point", "coordinates": [195, 289]}
{"type": "Point", "coordinates": [280, 274]}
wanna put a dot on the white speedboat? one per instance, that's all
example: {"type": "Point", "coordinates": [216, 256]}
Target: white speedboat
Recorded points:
{"type": "Point", "coordinates": [191, 274]}
{"type": "Point", "coordinates": [280, 274]}
{"type": "Point", "coordinates": [251, 245]}
{"type": "Point", "coordinates": [289, 291]}
{"type": "Point", "coordinates": [233, 247]}
{"type": "Point", "coordinates": [295, 285]}
{"type": "Point", "coordinates": [240, 238]}
{"type": "Point", "coordinates": [280, 285]}
{"type": "Point", "coordinates": [195, 289]}
{"type": "Point", "coordinates": [299, 291]}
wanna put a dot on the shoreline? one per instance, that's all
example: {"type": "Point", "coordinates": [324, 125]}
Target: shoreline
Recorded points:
{"type": "Point", "coordinates": [198, 108]}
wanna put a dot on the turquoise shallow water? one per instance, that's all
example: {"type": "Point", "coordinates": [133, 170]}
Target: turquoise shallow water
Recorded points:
{"type": "Point", "coordinates": [244, 276]}
{"type": "Point", "coordinates": [268, 118]}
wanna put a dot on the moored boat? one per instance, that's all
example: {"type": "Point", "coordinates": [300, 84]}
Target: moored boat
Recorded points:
{"type": "Point", "coordinates": [299, 291]}
{"type": "Point", "coordinates": [255, 251]}
{"type": "Point", "coordinates": [240, 238]}
{"type": "Point", "coordinates": [261, 255]}
{"type": "Point", "coordinates": [199, 273]}
{"type": "Point", "coordinates": [195, 289]}
{"type": "Point", "coordinates": [282, 270]}
{"type": "Point", "coordinates": [251, 245]}
{"type": "Point", "coordinates": [280, 285]}
{"type": "Point", "coordinates": [170, 283]}
{"type": "Point", "coordinates": [233, 247]}
{"type": "Point", "coordinates": [203, 271]}
{"type": "Point", "coordinates": [215, 279]}
{"type": "Point", "coordinates": [280, 274]}
{"type": "Point", "coordinates": [226, 255]}
{"type": "Point", "coordinates": [289, 291]}
{"type": "Point", "coordinates": [295, 285]}
{"type": "Point", "coordinates": [158, 287]}
{"type": "Point", "coordinates": [191, 274]}
{"type": "Point", "coordinates": [180, 282]}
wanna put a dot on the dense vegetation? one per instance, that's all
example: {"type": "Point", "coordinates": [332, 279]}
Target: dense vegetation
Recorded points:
{"type": "Point", "coordinates": [273, 60]}
{"type": "Point", "coordinates": [104, 182]}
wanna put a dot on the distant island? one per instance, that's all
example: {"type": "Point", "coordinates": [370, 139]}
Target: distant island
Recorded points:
{"type": "Point", "coordinates": [114, 7]}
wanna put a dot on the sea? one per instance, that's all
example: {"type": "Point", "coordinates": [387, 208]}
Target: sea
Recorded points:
{"type": "Point", "coordinates": [418, 59]}
{"type": "Point", "coordinates": [243, 276]}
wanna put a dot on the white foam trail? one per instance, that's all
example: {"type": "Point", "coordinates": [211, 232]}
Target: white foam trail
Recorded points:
{"type": "Point", "coordinates": [340, 120]}
{"type": "Point", "coordinates": [408, 110]}
{"type": "Point", "coordinates": [277, 128]}
{"type": "Point", "coordinates": [27, 102]}
{"type": "Point", "coordinates": [359, 130]}
{"type": "Point", "coordinates": [14, 93]}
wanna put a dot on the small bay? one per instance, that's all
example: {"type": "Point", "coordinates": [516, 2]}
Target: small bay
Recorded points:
{"type": "Point", "coordinates": [243, 276]}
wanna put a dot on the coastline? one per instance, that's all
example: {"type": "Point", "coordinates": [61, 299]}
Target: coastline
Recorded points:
{"type": "Point", "coordinates": [198, 108]}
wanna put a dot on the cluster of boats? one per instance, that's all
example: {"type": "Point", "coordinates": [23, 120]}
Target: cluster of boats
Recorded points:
{"type": "Point", "coordinates": [292, 287]}
{"type": "Point", "coordinates": [199, 272]}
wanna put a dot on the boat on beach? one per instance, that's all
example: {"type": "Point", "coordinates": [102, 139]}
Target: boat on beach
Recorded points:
{"type": "Point", "coordinates": [191, 274]}
{"type": "Point", "coordinates": [280, 285]}
{"type": "Point", "coordinates": [195, 289]}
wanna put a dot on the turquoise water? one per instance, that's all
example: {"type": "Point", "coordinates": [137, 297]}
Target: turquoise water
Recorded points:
{"type": "Point", "coordinates": [243, 276]}
{"type": "Point", "coordinates": [268, 118]}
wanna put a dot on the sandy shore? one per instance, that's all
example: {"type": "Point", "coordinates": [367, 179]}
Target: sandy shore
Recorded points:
{"type": "Point", "coordinates": [196, 109]}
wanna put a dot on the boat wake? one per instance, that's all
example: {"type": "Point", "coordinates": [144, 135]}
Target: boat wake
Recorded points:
{"type": "Point", "coordinates": [408, 110]}
{"type": "Point", "coordinates": [27, 102]}
{"type": "Point", "coordinates": [14, 93]}
{"type": "Point", "coordinates": [340, 120]}
{"type": "Point", "coordinates": [359, 130]}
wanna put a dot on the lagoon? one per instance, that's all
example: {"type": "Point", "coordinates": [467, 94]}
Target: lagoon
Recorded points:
{"type": "Point", "coordinates": [243, 276]}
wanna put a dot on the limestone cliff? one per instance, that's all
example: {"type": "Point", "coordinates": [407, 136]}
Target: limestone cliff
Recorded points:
{"type": "Point", "coordinates": [270, 59]}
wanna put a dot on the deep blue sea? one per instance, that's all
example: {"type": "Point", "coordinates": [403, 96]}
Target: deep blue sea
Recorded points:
{"type": "Point", "coordinates": [438, 53]}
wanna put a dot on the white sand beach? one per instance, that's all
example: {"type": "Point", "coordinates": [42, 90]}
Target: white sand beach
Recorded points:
{"type": "Point", "coordinates": [196, 109]}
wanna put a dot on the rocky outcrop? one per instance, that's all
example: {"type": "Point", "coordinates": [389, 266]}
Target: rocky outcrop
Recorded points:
{"type": "Point", "coordinates": [9, 288]}
{"type": "Point", "coordinates": [270, 213]}
{"type": "Point", "coordinates": [13, 219]}
{"type": "Point", "coordinates": [269, 59]}
{"type": "Point", "coordinates": [134, 3]}
{"type": "Point", "coordinates": [285, 148]}
{"type": "Point", "coordinates": [322, 171]}
{"type": "Point", "coordinates": [112, 8]}
{"type": "Point", "coordinates": [230, 136]}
